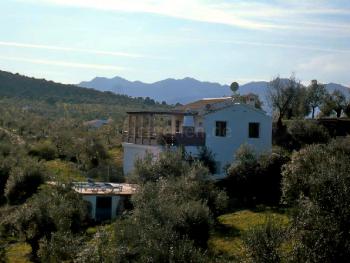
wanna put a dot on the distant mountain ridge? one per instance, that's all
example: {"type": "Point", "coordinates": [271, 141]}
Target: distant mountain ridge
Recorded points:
{"type": "Point", "coordinates": [169, 90]}
{"type": "Point", "coordinates": [183, 90]}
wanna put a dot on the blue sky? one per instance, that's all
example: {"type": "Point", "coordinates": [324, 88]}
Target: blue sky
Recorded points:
{"type": "Point", "coordinates": [148, 40]}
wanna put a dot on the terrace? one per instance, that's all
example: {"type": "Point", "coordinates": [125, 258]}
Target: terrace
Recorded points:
{"type": "Point", "coordinates": [164, 128]}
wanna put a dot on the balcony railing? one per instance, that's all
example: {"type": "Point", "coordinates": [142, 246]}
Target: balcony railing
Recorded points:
{"type": "Point", "coordinates": [185, 139]}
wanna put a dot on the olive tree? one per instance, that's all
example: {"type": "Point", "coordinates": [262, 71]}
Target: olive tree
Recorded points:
{"type": "Point", "coordinates": [316, 94]}
{"type": "Point", "coordinates": [283, 96]}
{"type": "Point", "coordinates": [52, 209]}
{"type": "Point", "coordinates": [336, 102]}
{"type": "Point", "coordinates": [317, 183]}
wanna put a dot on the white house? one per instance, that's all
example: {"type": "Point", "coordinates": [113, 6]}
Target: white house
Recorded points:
{"type": "Point", "coordinates": [220, 124]}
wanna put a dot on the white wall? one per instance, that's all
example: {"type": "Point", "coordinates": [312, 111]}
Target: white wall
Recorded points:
{"type": "Point", "coordinates": [132, 152]}
{"type": "Point", "coordinates": [237, 118]}
{"type": "Point", "coordinates": [92, 200]}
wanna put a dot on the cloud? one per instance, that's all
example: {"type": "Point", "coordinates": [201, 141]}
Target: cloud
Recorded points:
{"type": "Point", "coordinates": [326, 64]}
{"type": "Point", "coordinates": [287, 46]}
{"type": "Point", "coordinates": [64, 63]}
{"type": "Point", "coordinates": [280, 15]}
{"type": "Point", "coordinates": [68, 49]}
{"type": "Point", "coordinates": [326, 68]}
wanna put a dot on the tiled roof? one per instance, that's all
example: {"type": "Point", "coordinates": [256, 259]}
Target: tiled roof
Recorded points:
{"type": "Point", "coordinates": [199, 104]}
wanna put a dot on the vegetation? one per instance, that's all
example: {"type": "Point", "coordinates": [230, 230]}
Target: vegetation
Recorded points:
{"type": "Point", "coordinates": [316, 95]}
{"type": "Point", "coordinates": [254, 180]}
{"type": "Point", "coordinates": [288, 205]}
{"type": "Point", "coordinates": [228, 236]}
{"type": "Point", "coordinates": [316, 182]}
{"type": "Point", "coordinates": [177, 208]}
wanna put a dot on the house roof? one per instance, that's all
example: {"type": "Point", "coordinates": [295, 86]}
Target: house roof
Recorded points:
{"type": "Point", "coordinates": [199, 104]}
{"type": "Point", "coordinates": [104, 188]}
{"type": "Point", "coordinates": [174, 112]}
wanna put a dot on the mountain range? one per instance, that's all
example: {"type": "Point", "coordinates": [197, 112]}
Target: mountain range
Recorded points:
{"type": "Point", "coordinates": [183, 90]}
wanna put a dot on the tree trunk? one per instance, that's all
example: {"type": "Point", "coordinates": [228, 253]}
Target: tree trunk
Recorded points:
{"type": "Point", "coordinates": [313, 112]}
{"type": "Point", "coordinates": [279, 122]}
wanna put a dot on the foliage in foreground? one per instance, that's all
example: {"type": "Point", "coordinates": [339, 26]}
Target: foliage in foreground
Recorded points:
{"type": "Point", "coordinates": [263, 242]}
{"type": "Point", "coordinates": [172, 216]}
{"type": "Point", "coordinates": [254, 179]}
{"type": "Point", "coordinates": [53, 209]}
{"type": "Point", "coordinates": [317, 184]}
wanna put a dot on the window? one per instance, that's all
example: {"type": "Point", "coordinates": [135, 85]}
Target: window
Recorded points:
{"type": "Point", "coordinates": [177, 126]}
{"type": "Point", "coordinates": [220, 129]}
{"type": "Point", "coordinates": [254, 130]}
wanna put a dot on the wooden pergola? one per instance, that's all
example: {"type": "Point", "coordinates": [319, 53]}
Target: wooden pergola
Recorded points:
{"type": "Point", "coordinates": [159, 127]}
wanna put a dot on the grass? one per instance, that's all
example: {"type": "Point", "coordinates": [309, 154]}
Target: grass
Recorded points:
{"type": "Point", "coordinates": [65, 171]}
{"type": "Point", "coordinates": [226, 239]}
{"type": "Point", "coordinates": [18, 253]}
{"type": "Point", "coordinates": [117, 156]}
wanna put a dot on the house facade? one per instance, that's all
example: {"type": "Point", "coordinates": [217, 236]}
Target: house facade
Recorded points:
{"type": "Point", "coordinates": [220, 124]}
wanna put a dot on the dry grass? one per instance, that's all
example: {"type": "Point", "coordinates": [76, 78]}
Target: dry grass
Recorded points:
{"type": "Point", "coordinates": [117, 156]}
{"type": "Point", "coordinates": [18, 253]}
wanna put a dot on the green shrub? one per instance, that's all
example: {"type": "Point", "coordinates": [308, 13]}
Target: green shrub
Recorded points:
{"type": "Point", "coordinates": [168, 164]}
{"type": "Point", "coordinates": [253, 180]}
{"type": "Point", "coordinates": [317, 183]}
{"type": "Point", "coordinates": [60, 247]}
{"type": "Point", "coordinates": [52, 209]}
{"type": "Point", "coordinates": [173, 212]}
{"type": "Point", "coordinates": [263, 242]}
{"type": "Point", "coordinates": [208, 159]}
{"type": "Point", "coordinates": [305, 132]}
{"type": "Point", "coordinates": [24, 180]}
{"type": "Point", "coordinates": [44, 150]}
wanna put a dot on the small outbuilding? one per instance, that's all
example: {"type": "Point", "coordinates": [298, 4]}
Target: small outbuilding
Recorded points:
{"type": "Point", "coordinates": [107, 200]}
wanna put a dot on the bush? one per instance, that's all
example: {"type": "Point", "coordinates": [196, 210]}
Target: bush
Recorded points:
{"type": "Point", "coordinates": [208, 159]}
{"type": "Point", "coordinates": [263, 242]}
{"type": "Point", "coordinates": [254, 180]}
{"type": "Point", "coordinates": [299, 133]}
{"type": "Point", "coordinates": [106, 173]}
{"type": "Point", "coordinates": [317, 183]}
{"type": "Point", "coordinates": [101, 248]}
{"type": "Point", "coordinates": [52, 209]}
{"type": "Point", "coordinates": [169, 223]}
{"type": "Point", "coordinates": [173, 212]}
{"type": "Point", "coordinates": [61, 247]}
{"type": "Point", "coordinates": [44, 150]}
{"type": "Point", "coordinates": [305, 132]}
{"type": "Point", "coordinates": [24, 180]}
{"type": "Point", "coordinates": [5, 168]}
{"type": "Point", "coordinates": [168, 164]}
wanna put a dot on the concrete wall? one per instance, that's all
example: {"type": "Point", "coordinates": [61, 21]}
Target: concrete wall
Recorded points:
{"type": "Point", "coordinates": [237, 119]}
{"type": "Point", "coordinates": [115, 204]}
{"type": "Point", "coordinates": [132, 152]}
{"type": "Point", "coordinates": [92, 200]}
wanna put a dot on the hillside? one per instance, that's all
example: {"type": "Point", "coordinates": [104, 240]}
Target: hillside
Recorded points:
{"type": "Point", "coordinates": [21, 95]}
{"type": "Point", "coordinates": [22, 87]}
{"type": "Point", "coordinates": [182, 90]}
